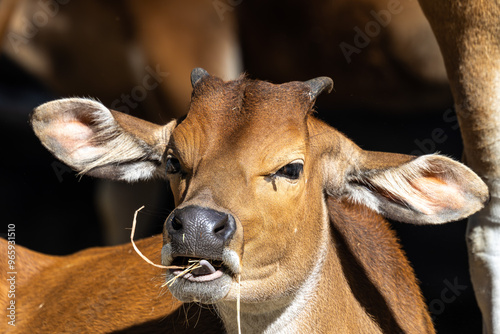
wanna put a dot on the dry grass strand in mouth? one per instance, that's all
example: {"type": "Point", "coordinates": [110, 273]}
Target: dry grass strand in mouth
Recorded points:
{"type": "Point", "coordinates": [195, 264]}
{"type": "Point", "coordinates": [132, 233]}
{"type": "Point", "coordinates": [238, 305]}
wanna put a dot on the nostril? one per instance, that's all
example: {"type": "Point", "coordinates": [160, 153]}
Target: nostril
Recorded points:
{"type": "Point", "coordinates": [221, 226]}
{"type": "Point", "coordinates": [176, 224]}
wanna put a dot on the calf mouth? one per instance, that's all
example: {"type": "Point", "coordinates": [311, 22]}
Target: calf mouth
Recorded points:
{"type": "Point", "coordinates": [197, 278]}
{"type": "Point", "coordinates": [197, 269]}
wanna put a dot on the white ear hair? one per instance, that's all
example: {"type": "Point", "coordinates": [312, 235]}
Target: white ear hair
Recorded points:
{"type": "Point", "coordinates": [97, 141]}
{"type": "Point", "coordinates": [431, 189]}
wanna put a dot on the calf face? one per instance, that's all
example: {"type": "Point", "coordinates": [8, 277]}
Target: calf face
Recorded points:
{"type": "Point", "coordinates": [251, 171]}
{"type": "Point", "coordinates": [242, 173]}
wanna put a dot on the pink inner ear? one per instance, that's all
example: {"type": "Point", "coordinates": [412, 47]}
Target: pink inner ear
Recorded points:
{"type": "Point", "coordinates": [70, 136]}
{"type": "Point", "coordinates": [434, 195]}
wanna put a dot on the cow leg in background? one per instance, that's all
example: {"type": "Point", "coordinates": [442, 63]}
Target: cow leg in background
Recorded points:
{"type": "Point", "coordinates": [468, 33]}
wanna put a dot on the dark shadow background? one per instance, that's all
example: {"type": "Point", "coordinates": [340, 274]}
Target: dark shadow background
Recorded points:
{"type": "Point", "coordinates": [55, 211]}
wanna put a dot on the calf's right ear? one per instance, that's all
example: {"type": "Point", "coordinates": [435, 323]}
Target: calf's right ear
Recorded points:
{"type": "Point", "coordinates": [96, 141]}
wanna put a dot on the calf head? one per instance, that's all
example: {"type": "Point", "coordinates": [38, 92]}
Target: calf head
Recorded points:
{"type": "Point", "coordinates": [250, 169]}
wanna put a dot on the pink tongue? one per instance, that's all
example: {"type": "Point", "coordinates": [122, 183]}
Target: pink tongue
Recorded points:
{"type": "Point", "coordinates": [206, 269]}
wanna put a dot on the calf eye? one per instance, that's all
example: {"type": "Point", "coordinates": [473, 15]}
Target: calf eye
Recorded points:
{"type": "Point", "coordinates": [291, 171]}
{"type": "Point", "coordinates": [173, 165]}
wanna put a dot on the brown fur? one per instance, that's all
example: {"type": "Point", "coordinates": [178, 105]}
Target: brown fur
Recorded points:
{"type": "Point", "coordinates": [99, 290]}
{"type": "Point", "coordinates": [378, 279]}
{"type": "Point", "coordinates": [311, 252]}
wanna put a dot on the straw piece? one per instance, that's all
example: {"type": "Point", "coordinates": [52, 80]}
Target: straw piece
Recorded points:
{"type": "Point", "coordinates": [137, 249]}
{"type": "Point", "coordinates": [195, 265]}
{"type": "Point", "coordinates": [238, 304]}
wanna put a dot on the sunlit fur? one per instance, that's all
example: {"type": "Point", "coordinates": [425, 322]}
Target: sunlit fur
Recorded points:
{"type": "Point", "coordinates": [313, 251]}
{"type": "Point", "coordinates": [284, 239]}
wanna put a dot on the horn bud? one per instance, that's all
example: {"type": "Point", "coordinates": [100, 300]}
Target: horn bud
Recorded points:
{"type": "Point", "coordinates": [197, 74]}
{"type": "Point", "coordinates": [319, 85]}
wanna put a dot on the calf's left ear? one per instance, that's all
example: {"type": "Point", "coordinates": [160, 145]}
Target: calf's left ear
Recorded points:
{"type": "Point", "coordinates": [430, 189]}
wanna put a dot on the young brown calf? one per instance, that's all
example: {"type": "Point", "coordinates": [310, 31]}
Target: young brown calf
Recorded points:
{"type": "Point", "coordinates": [274, 207]}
